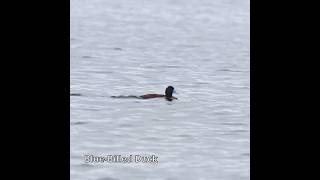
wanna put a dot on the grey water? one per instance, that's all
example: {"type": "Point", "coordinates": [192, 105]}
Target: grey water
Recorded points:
{"type": "Point", "coordinates": [135, 47]}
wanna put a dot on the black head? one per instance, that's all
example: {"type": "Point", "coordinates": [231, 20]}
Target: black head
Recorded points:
{"type": "Point", "coordinates": [169, 91]}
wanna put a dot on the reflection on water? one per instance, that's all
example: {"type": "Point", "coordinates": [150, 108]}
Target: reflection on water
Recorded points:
{"type": "Point", "coordinates": [135, 47]}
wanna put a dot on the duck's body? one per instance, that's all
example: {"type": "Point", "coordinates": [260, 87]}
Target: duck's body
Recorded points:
{"type": "Point", "coordinates": [148, 96]}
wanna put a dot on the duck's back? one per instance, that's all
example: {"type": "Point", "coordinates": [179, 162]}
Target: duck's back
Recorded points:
{"type": "Point", "coordinates": [148, 96]}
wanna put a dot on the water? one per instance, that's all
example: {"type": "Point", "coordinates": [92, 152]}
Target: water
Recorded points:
{"type": "Point", "coordinates": [135, 47]}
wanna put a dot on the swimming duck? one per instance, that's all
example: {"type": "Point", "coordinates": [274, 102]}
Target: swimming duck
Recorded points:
{"type": "Point", "coordinates": [168, 95]}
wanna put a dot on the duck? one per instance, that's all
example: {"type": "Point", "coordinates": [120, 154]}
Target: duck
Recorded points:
{"type": "Point", "coordinates": [168, 95]}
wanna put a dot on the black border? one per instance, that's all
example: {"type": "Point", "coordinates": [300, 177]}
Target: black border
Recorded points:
{"type": "Point", "coordinates": [36, 127]}
{"type": "Point", "coordinates": [273, 90]}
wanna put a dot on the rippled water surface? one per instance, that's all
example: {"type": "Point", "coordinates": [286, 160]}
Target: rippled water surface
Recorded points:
{"type": "Point", "coordinates": [135, 47]}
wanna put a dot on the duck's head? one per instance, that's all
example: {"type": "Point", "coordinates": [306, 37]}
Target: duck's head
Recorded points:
{"type": "Point", "coordinates": [169, 91]}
